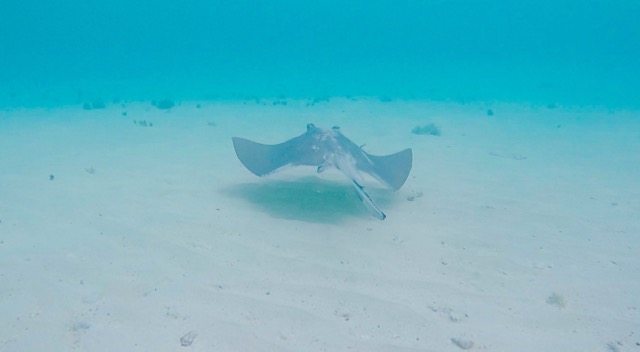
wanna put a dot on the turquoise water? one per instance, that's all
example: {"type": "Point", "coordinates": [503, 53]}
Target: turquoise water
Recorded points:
{"type": "Point", "coordinates": [132, 228]}
{"type": "Point", "coordinates": [540, 52]}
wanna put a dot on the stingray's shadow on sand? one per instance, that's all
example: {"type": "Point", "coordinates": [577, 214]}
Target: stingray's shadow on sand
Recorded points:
{"type": "Point", "coordinates": [309, 199]}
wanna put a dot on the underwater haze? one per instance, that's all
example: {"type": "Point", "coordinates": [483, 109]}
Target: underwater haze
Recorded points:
{"type": "Point", "coordinates": [161, 186]}
{"type": "Point", "coordinates": [64, 52]}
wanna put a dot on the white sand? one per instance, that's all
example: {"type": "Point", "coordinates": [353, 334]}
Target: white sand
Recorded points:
{"type": "Point", "coordinates": [149, 233]}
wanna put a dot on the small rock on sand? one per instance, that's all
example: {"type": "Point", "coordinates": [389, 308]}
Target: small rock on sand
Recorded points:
{"type": "Point", "coordinates": [556, 299]}
{"type": "Point", "coordinates": [462, 343]}
{"type": "Point", "coordinates": [188, 338]}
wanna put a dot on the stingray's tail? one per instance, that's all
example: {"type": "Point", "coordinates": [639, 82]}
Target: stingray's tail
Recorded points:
{"type": "Point", "coordinates": [368, 202]}
{"type": "Point", "coordinates": [392, 170]}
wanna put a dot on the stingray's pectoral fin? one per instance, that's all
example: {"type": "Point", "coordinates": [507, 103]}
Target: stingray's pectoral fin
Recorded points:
{"type": "Point", "coordinates": [261, 159]}
{"type": "Point", "coordinates": [392, 170]}
{"type": "Point", "coordinates": [367, 201]}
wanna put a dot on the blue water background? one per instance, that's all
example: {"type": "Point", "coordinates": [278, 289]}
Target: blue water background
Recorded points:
{"type": "Point", "coordinates": [55, 53]}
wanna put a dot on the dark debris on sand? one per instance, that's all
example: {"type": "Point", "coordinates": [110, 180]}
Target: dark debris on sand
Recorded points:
{"type": "Point", "coordinates": [428, 129]}
{"type": "Point", "coordinates": [163, 104]}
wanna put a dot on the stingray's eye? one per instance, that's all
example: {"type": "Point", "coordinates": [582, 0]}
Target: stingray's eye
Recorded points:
{"type": "Point", "coordinates": [336, 128]}
{"type": "Point", "coordinates": [310, 126]}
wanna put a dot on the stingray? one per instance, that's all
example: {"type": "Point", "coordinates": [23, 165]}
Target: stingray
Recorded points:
{"type": "Point", "coordinates": [325, 148]}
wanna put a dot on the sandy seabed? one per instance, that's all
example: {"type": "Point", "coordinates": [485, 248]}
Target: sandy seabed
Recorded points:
{"type": "Point", "coordinates": [518, 231]}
